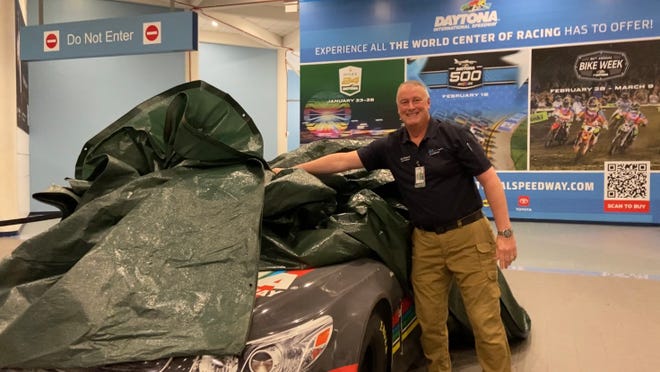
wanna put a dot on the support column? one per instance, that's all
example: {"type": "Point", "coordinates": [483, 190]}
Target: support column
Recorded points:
{"type": "Point", "coordinates": [14, 141]}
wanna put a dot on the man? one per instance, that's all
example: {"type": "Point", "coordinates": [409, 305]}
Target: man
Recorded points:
{"type": "Point", "coordinates": [434, 165]}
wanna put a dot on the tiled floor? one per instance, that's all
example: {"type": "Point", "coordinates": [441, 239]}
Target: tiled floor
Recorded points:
{"type": "Point", "coordinates": [592, 292]}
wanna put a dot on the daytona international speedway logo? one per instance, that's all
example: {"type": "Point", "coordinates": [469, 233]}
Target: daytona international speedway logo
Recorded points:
{"type": "Point", "coordinates": [475, 14]}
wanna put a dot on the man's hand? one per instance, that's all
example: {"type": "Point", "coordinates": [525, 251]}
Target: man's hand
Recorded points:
{"type": "Point", "coordinates": [506, 251]}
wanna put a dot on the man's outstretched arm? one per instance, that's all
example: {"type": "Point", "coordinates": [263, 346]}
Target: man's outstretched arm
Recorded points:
{"type": "Point", "coordinates": [332, 163]}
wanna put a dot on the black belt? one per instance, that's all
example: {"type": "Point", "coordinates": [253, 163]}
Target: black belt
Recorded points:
{"type": "Point", "coordinates": [472, 217]}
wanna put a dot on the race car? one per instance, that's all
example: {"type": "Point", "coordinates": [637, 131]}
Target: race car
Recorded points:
{"type": "Point", "coordinates": [348, 317]}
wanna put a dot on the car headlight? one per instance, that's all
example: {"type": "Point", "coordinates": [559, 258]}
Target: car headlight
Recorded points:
{"type": "Point", "coordinates": [292, 350]}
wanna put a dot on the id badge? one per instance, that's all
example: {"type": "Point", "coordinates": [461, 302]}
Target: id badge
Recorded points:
{"type": "Point", "coordinates": [420, 178]}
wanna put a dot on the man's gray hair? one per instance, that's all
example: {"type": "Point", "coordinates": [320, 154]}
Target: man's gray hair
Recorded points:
{"type": "Point", "coordinates": [415, 83]}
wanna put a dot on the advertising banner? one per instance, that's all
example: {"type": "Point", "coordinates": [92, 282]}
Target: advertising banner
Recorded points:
{"type": "Point", "coordinates": [563, 96]}
{"type": "Point", "coordinates": [349, 30]}
{"type": "Point", "coordinates": [349, 100]}
{"type": "Point", "coordinates": [612, 77]}
{"type": "Point", "coordinates": [620, 194]}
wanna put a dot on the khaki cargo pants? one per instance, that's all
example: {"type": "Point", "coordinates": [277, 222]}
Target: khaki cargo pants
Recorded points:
{"type": "Point", "coordinates": [468, 254]}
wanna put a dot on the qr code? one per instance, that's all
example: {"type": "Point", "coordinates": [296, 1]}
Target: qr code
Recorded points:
{"type": "Point", "coordinates": [628, 180]}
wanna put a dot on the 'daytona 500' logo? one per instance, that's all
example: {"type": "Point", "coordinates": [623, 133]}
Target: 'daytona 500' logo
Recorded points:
{"type": "Point", "coordinates": [475, 13]}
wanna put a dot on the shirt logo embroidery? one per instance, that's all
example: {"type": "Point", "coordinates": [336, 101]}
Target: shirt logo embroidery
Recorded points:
{"type": "Point", "coordinates": [404, 159]}
{"type": "Point", "coordinates": [433, 152]}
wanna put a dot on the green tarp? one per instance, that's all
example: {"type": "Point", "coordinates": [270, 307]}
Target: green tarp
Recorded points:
{"type": "Point", "coordinates": [161, 251]}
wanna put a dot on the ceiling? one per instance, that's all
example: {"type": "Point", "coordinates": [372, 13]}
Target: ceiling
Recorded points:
{"type": "Point", "coordinates": [264, 23]}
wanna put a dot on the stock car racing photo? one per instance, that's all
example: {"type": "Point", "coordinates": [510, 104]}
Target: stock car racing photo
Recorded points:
{"type": "Point", "coordinates": [179, 249]}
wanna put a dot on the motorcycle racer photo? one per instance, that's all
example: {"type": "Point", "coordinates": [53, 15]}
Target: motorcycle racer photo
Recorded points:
{"type": "Point", "coordinates": [556, 71]}
{"type": "Point", "coordinates": [623, 105]}
{"type": "Point", "coordinates": [628, 130]}
{"type": "Point", "coordinates": [636, 118]}
{"type": "Point", "coordinates": [565, 115]}
{"type": "Point", "coordinates": [593, 120]}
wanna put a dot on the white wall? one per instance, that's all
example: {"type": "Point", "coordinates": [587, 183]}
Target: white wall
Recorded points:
{"type": "Point", "coordinates": [8, 164]}
{"type": "Point", "coordinates": [14, 147]}
{"type": "Point", "coordinates": [249, 75]}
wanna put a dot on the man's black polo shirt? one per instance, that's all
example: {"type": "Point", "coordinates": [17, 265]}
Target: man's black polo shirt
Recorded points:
{"type": "Point", "coordinates": [451, 157]}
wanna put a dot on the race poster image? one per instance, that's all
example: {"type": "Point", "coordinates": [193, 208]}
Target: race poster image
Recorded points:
{"type": "Point", "coordinates": [484, 92]}
{"type": "Point", "coordinates": [349, 100]}
{"type": "Point", "coordinates": [592, 104]}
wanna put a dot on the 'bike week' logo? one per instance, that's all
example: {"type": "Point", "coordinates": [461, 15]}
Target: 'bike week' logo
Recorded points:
{"type": "Point", "coordinates": [601, 65]}
{"type": "Point", "coordinates": [475, 14]}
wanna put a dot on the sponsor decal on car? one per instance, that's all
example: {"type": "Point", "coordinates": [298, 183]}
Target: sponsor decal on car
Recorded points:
{"type": "Point", "coordinates": [403, 322]}
{"type": "Point", "coordinates": [271, 283]}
